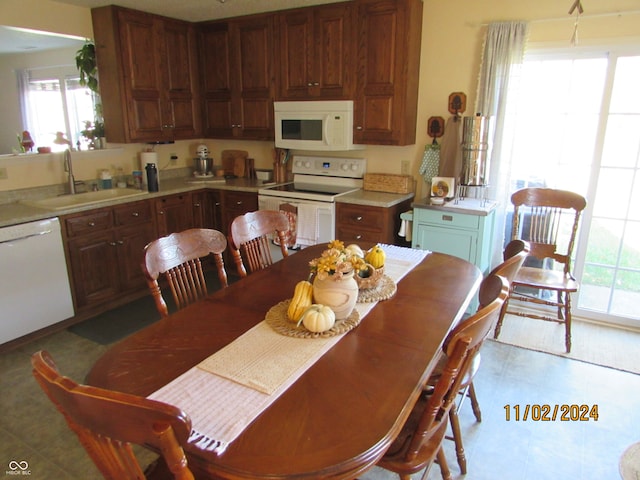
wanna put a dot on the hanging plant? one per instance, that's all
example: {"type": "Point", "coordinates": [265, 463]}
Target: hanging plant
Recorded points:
{"type": "Point", "coordinates": [87, 66]}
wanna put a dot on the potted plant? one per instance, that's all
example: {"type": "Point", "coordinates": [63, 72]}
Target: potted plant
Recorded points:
{"type": "Point", "coordinates": [88, 68]}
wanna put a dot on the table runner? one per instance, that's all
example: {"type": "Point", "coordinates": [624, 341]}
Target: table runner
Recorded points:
{"type": "Point", "coordinates": [220, 408]}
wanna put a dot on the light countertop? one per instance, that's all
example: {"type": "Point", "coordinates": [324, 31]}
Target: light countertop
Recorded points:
{"type": "Point", "coordinates": [472, 206]}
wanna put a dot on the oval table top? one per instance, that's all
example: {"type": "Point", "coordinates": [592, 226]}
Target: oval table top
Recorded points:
{"type": "Point", "coordinates": [342, 414]}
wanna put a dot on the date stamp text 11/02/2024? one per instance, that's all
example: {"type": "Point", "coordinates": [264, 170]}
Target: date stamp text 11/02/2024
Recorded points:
{"type": "Point", "coordinates": [568, 412]}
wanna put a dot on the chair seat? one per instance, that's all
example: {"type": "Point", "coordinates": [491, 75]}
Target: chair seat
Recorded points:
{"type": "Point", "coordinates": [545, 279]}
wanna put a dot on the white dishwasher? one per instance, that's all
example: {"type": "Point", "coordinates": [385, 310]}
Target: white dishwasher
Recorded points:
{"type": "Point", "coordinates": [34, 285]}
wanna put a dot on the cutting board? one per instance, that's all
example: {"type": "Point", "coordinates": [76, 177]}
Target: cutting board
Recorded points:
{"type": "Point", "coordinates": [234, 162]}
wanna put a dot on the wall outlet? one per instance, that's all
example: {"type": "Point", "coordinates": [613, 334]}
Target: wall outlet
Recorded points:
{"type": "Point", "coordinates": [3, 173]}
{"type": "Point", "coordinates": [173, 158]}
{"type": "Point", "coordinates": [404, 167]}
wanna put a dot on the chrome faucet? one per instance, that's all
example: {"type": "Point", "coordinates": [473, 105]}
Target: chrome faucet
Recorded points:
{"type": "Point", "coordinates": [68, 167]}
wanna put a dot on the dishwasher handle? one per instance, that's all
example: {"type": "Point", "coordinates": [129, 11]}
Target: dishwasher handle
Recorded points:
{"type": "Point", "coordinates": [25, 237]}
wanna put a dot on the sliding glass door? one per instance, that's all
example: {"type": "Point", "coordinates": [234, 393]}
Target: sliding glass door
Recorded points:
{"type": "Point", "coordinates": [575, 125]}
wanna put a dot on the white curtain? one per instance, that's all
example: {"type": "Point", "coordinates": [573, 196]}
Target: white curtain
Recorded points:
{"type": "Point", "coordinates": [502, 58]}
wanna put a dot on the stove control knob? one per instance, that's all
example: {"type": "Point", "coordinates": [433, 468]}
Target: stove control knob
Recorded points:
{"type": "Point", "coordinates": [354, 167]}
{"type": "Point", "coordinates": [307, 164]}
{"type": "Point", "coordinates": [344, 166]}
{"type": "Point", "coordinates": [298, 163]}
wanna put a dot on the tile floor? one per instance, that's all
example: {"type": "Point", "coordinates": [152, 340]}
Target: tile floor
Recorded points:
{"type": "Point", "coordinates": [31, 430]}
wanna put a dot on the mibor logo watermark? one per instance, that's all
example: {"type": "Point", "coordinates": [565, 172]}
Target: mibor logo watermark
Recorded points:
{"type": "Point", "coordinates": [18, 468]}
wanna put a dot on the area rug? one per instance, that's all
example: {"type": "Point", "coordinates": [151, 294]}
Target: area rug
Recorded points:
{"type": "Point", "coordinates": [592, 343]}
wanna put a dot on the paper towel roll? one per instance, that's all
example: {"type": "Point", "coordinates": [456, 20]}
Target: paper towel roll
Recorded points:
{"type": "Point", "coordinates": [149, 157]}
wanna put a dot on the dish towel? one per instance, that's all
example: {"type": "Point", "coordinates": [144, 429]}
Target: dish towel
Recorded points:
{"type": "Point", "coordinates": [221, 408]}
{"type": "Point", "coordinates": [308, 224]}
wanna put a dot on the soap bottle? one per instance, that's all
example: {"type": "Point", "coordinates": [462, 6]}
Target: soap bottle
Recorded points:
{"type": "Point", "coordinates": [152, 177]}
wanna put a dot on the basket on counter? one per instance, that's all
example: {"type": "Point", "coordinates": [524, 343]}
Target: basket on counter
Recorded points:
{"type": "Point", "coordinates": [390, 183]}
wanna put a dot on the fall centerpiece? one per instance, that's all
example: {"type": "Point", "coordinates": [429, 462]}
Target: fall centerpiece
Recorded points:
{"type": "Point", "coordinates": [334, 284]}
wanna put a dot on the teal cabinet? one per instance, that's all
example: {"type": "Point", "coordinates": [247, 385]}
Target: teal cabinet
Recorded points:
{"type": "Point", "coordinates": [464, 230]}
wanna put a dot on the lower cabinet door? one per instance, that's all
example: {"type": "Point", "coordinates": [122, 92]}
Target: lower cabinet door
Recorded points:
{"type": "Point", "coordinates": [459, 243]}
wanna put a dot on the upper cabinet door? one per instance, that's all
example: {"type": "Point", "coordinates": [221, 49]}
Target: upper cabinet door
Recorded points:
{"type": "Point", "coordinates": [147, 77]}
{"type": "Point", "coordinates": [315, 53]}
{"type": "Point", "coordinates": [237, 80]}
{"type": "Point", "coordinates": [386, 100]}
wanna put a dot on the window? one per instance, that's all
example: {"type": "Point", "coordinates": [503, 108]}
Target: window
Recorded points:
{"type": "Point", "coordinates": [54, 102]}
{"type": "Point", "coordinates": [575, 124]}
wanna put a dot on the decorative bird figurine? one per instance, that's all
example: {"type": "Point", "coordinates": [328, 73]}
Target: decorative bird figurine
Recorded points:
{"type": "Point", "coordinates": [27, 142]}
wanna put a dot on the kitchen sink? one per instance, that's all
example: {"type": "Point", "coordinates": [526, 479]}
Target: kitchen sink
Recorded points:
{"type": "Point", "coordinates": [62, 202]}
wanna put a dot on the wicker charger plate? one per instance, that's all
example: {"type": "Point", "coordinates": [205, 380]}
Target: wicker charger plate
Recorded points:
{"type": "Point", "coordinates": [277, 319]}
{"type": "Point", "coordinates": [386, 288]}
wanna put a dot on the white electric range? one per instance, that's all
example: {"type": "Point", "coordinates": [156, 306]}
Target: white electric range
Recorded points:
{"type": "Point", "coordinates": [317, 182]}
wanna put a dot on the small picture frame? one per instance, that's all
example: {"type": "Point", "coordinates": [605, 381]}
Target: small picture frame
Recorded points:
{"type": "Point", "coordinates": [443, 187]}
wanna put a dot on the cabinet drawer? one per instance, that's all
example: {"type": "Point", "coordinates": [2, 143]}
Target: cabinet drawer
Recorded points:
{"type": "Point", "coordinates": [350, 235]}
{"type": "Point", "coordinates": [133, 213]}
{"type": "Point", "coordinates": [362, 217]}
{"type": "Point", "coordinates": [96, 221]}
{"type": "Point", "coordinates": [446, 219]}
{"type": "Point", "coordinates": [240, 202]}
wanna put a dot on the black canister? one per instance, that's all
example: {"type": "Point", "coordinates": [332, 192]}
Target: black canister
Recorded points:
{"type": "Point", "coordinates": [152, 177]}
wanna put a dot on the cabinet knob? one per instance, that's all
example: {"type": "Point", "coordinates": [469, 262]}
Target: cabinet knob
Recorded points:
{"type": "Point", "coordinates": [447, 218]}
{"type": "Point", "coordinates": [239, 202]}
{"type": "Point", "coordinates": [315, 84]}
{"type": "Point", "coordinates": [358, 237]}
{"type": "Point", "coordinates": [359, 218]}
{"type": "Point", "coordinates": [196, 205]}
{"type": "Point", "coordinates": [91, 224]}
{"type": "Point", "coordinates": [161, 212]}
{"type": "Point", "coordinates": [113, 244]}
{"type": "Point", "coordinates": [120, 242]}
{"type": "Point", "coordinates": [358, 127]}
{"type": "Point", "coordinates": [135, 214]}
{"type": "Point", "coordinates": [217, 204]}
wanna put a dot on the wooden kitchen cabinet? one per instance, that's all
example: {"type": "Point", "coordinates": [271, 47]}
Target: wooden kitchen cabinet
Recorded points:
{"type": "Point", "coordinates": [174, 213]}
{"type": "Point", "coordinates": [237, 77]}
{"type": "Point", "coordinates": [235, 203]}
{"type": "Point", "coordinates": [104, 251]}
{"type": "Point", "coordinates": [207, 209]}
{"type": "Point", "coordinates": [365, 223]}
{"type": "Point", "coordinates": [148, 76]}
{"type": "Point", "coordinates": [388, 34]}
{"type": "Point", "coordinates": [315, 50]}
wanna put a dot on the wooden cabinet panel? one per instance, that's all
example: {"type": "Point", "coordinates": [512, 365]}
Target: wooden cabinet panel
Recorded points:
{"type": "Point", "coordinates": [357, 223]}
{"type": "Point", "coordinates": [235, 204]}
{"type": "Point", "coordinates": [237, 57]}
{"type": "Point", "coordinates": [207, 209]}
{"type": "Point", "coordinates": [174, 213]}
{"type": "Point", "coordinates": [104, 250]}
{"type": "Point", "coordinates": [93, 265]}
{"type": "Point", "coordinates": [315, 53]}
{"type": "Point", "coordinates": [148, 76]}
{"type": "Point", "coordinates": [388, 61]}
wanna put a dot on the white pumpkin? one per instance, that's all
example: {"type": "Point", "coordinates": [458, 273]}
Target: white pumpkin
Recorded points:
{"type": "Point", "coordinates": [318, 318]}
{"type": "Point", "coordinates": [355, 250]}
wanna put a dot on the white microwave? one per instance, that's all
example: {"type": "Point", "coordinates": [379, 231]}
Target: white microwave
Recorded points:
{"type": "Point", "coordinates": [315, 125]}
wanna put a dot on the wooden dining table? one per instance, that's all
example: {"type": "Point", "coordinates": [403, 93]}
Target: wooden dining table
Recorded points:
{"type": "Point", "coordinates": [340, 416]}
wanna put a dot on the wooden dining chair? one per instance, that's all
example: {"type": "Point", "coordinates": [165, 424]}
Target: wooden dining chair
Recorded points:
{"type": "Point", "coordinates": [514, 256]}
{"type": "Point", "coordinates": [548, 220]}
{"type": "Point", "coordinates": [249, 239]}
{"type": "Point", "coordinates": [108, 423]}
{"type": "Point", "coordinates": [420, 440]}
{"type": "Point", "coordinates": [178, 257]}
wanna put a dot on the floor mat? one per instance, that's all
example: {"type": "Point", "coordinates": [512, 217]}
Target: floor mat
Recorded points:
{"type": "Point", "coordinates": [592, 343]}
{"type": "Point", "coordinates": [116, 324]}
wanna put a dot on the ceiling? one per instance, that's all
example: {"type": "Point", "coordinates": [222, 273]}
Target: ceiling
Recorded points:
{"type": "Point", "coordinates": [199, 10]}
{"type": "Point", "coordinates": [22, 41]}
{"type": "Point", "coordinates": [17, 40]}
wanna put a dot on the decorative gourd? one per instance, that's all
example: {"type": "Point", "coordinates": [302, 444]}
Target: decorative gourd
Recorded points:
{"type": "Point", "coordinates": [302, 299]}
{"type": "Point", "coordinates": [355, 250]}
{"type": "Point", "coordinates": [375, 256]}
{"type": "Point", "coordinates": [318, 318]}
